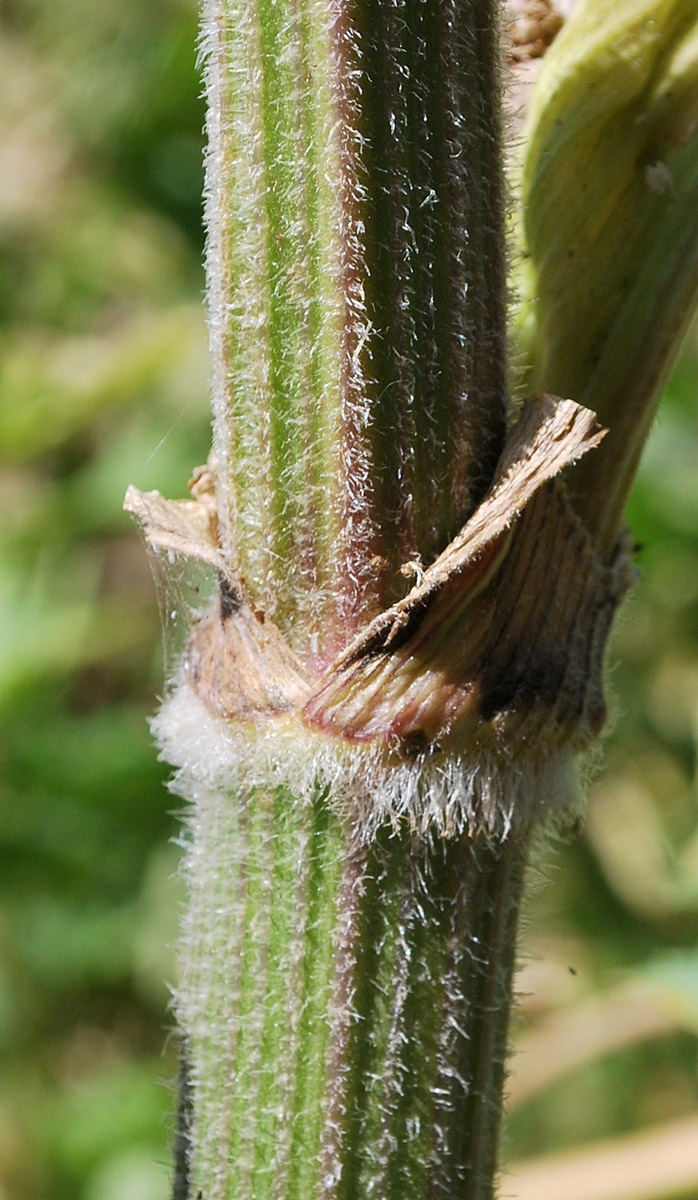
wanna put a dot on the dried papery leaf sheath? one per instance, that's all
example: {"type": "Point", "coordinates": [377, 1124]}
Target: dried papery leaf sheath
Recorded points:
{"type": "Point", "coordinates": [498, 650]}
{"type": "Point", "coordinates": [514, 657]}
{"type": "Point", "coordinates": [426, 670]}
{"type": "Point", "coordinates": [418, 672]}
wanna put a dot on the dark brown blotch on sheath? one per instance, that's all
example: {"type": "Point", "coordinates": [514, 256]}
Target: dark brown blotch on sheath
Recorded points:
{"type": "Point", "coordinates": [230, 599]}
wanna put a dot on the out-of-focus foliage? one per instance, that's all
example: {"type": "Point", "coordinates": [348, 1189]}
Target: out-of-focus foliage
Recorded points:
{"type": "Point", "coordinates": [103, 376]}
{"type": "Point", "coordinates": [103, 372]}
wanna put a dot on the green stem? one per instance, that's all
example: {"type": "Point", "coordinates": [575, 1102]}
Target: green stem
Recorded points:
{"type": "Point", "coordinates": [349, 942]}
{"type": "Point", "coordinates": [356, 292]}
{"type": "Point", "coordinates": [345, 999]}
{"type": "Point", "coordinates": [356, 1024]}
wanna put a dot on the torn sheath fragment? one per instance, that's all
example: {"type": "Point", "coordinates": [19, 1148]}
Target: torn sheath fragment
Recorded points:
{"type": "Point", "coordinates": [502, 637]}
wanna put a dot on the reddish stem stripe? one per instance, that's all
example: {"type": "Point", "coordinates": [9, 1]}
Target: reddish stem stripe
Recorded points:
{"type": "Point", "coordinates": [425, 388]}
{"type": "Point", "coordinates": [357, 301]}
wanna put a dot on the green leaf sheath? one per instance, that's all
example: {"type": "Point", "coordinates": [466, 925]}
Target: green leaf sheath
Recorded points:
{"type": "Point", "coordinates": [346, 1005]}
{"type": "Point", "coordinates": [356, 293]}
{"type": "Point", "coordinates": [610, 213]}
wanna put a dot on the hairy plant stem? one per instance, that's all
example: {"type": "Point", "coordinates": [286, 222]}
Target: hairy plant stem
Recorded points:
{"type": "Point", "coordinates": [345, 998]}
{"type": "Point", "coordinates": [356, 269]}
{"type": "Point", "coordinates": [346, 1004]}
{"type": "Point", "coordinates": [365, 761]}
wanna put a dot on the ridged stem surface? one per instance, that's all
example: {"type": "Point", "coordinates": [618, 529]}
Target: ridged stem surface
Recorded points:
{"type": "Point", "coordinates": [349, 941]}
{"type": "Point", "coordinates": [346, 1005]}
{"type": "Point", "coordinates": [344, 998]}
{"type": "Point", "coordinates": [356, 293]}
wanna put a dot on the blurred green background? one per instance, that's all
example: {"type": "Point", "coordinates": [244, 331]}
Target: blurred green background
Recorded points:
{"type": "Point", "coordinates": [104, 372]}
